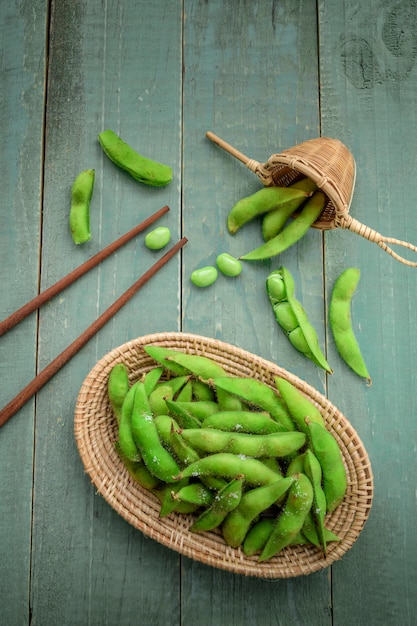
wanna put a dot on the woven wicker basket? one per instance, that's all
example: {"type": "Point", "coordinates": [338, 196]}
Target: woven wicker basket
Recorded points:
{"type": "Point", "coordinates": [95, 433]}
{"type": "Point", "coordinates": [332, 167]}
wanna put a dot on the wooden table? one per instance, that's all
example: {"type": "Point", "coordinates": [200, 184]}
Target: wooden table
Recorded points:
{"type": "Point", "coordinates": [265, 76]}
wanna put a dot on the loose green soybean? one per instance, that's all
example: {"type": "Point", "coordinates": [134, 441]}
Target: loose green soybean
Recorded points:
{"type": "Point", "coordinates": [341, 322]}
{"type": "Point", "coordinates": [158, 238]}
{"type": "Point", "coordinates": [228, 264]}
{"type": "Point", "coordinates": [293, 318]}
{"type": "Point", "coordinates": [79, 218]}
{"type": "Point", "coordinates": [204, 276]}
{"type": "Point", "coordinates": [139, 167]}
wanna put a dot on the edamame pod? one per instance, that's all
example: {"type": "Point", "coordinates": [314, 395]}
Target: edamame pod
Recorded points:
{"type": "Point", "coordinates": [274, 221]}
{"type": "Point", "coordinates": [126, 441]}
{"type": "Point", "coordinates": [252, 504]}
{"type": "Point", "coordinates": [161, 354]}
{"type": "Point", "coordinates": [290, 521]}
{"type": "Point", "coordinates": [195, 493]}
{"type": "Point", "coordinates": [255, 422]}
{"type": "Point", "coordinates": [312, 470]}
{"type": "Point", "coordinates": [260, 202]}
{"type": "Point", "coordinates": [79, 219]}
{"type": "Point", "coordinates": [258, 394]}
{"type": "Point", "coordinates": [327, 451]}
{"type": "Point", "coordinates": [117, 388]}
{"type": "Point", "coordinates": [139, 167]}
{"type": "Point", "coordinates": [298, 405]}
{"type": "Point", "coordinates": [280, 289]}
{"type": "Point", "coordinates": [151, 378]}
{"type": "Point", "coordinates": [138, 471]}
{"type": "Point", "coordinates": [291, 233]}
{"type": "Point", "coordinates": [274, 444]}
{"type": "Point", "coordinates": [156, 458]}
{"type": "Point", "coordinates": [341, 322]}
{"type": "Point", "coordinates": [229, 465]}
{"type": "Point", "coordinates": [257, 536]}
{"type": "Point", "coordinates": [226, 500]}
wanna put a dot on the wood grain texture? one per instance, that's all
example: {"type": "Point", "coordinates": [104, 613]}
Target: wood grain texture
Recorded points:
{"type": "Point", "coordinates": [264, 76]}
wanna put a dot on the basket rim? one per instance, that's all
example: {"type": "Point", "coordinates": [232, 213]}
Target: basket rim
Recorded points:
{"type": "Point", "coordinates": [94, 431]}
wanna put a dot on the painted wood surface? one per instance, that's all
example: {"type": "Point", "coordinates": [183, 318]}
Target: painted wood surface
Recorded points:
{"type": "Point", "coordinates": [264, 76]}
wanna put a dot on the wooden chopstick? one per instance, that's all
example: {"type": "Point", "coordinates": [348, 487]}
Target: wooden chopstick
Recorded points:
{"type": "Point", "coordinates": [50, 370]}
{"type": "Point", "coordinates": [67, 280]}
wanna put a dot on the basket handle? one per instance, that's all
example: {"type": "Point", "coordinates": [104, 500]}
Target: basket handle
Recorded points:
{"type": "Point", "coordinates": [348, 222]}
{"type": "Point", "coordinates": [250, 163]}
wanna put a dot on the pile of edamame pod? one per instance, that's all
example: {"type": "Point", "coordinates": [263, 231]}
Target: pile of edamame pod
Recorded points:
{"type": "Point", "coordinates": [254, 463]}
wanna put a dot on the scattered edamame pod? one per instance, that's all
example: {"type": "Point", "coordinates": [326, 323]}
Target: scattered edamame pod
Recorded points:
{"type": "Point", "coordinates": [158, 238]}
{"type": "Point", "coordinates": [291, 233]}
{"type": "Point", "coordinates": [341, 322]}
{"type": "Point", "coordinates": [296, 325]}
{"type": "Point", "coordinates": [204, 276]}
{"type": "Point", "coordinates": [260, 202]}
{"type": "Point", "coordinates": [79, 218]}
{"type": "Point", "coordinates": [139, 167]}
{"type": "Point", "coordinates": [228, 264]}
{"type": "Point", "coordinates": [274, 221]}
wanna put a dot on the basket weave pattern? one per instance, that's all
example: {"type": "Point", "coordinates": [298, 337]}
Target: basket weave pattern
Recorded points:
{"type": "Point", "coordinates": [95, 431]}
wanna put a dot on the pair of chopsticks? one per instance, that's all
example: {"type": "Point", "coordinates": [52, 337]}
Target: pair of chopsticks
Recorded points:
{"type": "Point", "coordinates": [50, 370]}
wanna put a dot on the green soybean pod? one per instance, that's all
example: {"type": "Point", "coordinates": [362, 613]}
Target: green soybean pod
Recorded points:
{"type": "Point", "coordinates": [266, 199]}
{"type": "Point", "coordinates": [151, 378]}
{"type": "Point", "coordinates": [117, 388]}
{"type": "Point", "coordinates": [274, 221]}
{"type": "Point", "coordinates": [291, 519]}
{"type": "Point", "coordinates": [291, 233]}
{"type": "Point", "coordinates": [225, 501]}
{"type": "Point", "coordinates": [227, 465]}
{"type": "Point", "coordinates": [211, 440]}
{"type": "Point", "coordinates": [195, 493]}
{"type": "Point", "coordinates": [327, 451]}
{"type": "Point", "coordinates": [161, 354]}
{"type": "Point", "coordinates": [204, 276]}
{"type": "Point", "coordinates": [228, 264]}
{"type": "Point", "coordinates": [255, 422]}
{"type": "Point", "coordinates": [257, 536]}
{"type": "Point", "coordinates": [258, 394]}
{"type": "Point", "coordinates": [138, 471]}
{"type": "Point", "coordinates": [298, 404]}
{"type": "Point", "coordinates": [139, 167]}
{"type": "Point", "coordinates": [126, 441]}
{"type": "Point", "coordinates": [312, 470]}
{"type": "Point", "coordinates": [79, 218]}
{"type": "Point", "coordinates": [158, 238]}
{"type": "Point", "coordinates": [156, 458]}
{"type": "Point", "coordinates": [253, 502]}
{"type": "Point", "coordinates": [341, 322]}
{"type": "Point", "coordinates": [303, 337]}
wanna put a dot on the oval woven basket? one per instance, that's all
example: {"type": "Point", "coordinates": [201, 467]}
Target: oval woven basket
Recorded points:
{"type": "Point", "coordinates": [330, 164]}
{"type": "Point", "coordinates": [95, 431]}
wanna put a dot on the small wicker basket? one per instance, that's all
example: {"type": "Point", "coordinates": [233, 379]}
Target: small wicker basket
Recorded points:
{"type": "Point", "coordinates": [332, 167]}
{"type": "Point", "coordinates": [95, 431]}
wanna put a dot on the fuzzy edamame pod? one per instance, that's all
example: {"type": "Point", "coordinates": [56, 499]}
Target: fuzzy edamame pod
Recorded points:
{"type": "Point", "coordinates": [274, 221]}
{"type": "Point", "coordinates": [79, 218]}
{"type": "Point", "coordinates": [160, 354]}
{"type": "Point", "coordinates": [327, 451]}
{"type": "Point", "coordinates": [138, 471]}
{"type": "Point", "coordinates": [257, 536]}
{"type": "Point", "coordinates": [256, 393]}
{"type": "Point", "coordinates": [151, 378]}
{"type": "Point", "coordinates": [298, 405]}
{"type": "Point", "coordinates": [255, 422]}
{"type": "Point", "coordinates": [254, 502]}
{"type": "Point", "coordinates": [266, 199]}
{"type": "Point", "coordinates": [291, 233]}
{"type": "Point", "coordinates": [225, 501]}
{"type": "Point", "coordinates": [195, 493]}
{"type": "Point", "coordinates": [341, 322]}
{"type": "Point", "coordinates": [313, 471]}
{"type": "Point", "coordinates": [139, 167]}
{"type": "Point", "coordinates": [156, 458]}
{"type": "Point", "coordinates": [227, 465]}
{"type": "Point", "coordinates": [126, 441]}
{"type": "Point", "coordinates": [291, 519]}
{"type": "Point", "coordinates": [272, 445]}
{"type": "Point", "coordinates": [292, 317]}
{"type": "Point", "coordinates": [117, 388]}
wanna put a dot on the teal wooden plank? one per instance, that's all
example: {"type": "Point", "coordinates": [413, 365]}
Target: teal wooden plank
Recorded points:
{"type": "Point", "coordinates": [251, 78]}
{"type": "Point", "coordinates": [113, 66]}
{"type": "Point", "coordinates": [22, 33]}
{"type": "Point", "coordinates": [368, 86]}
